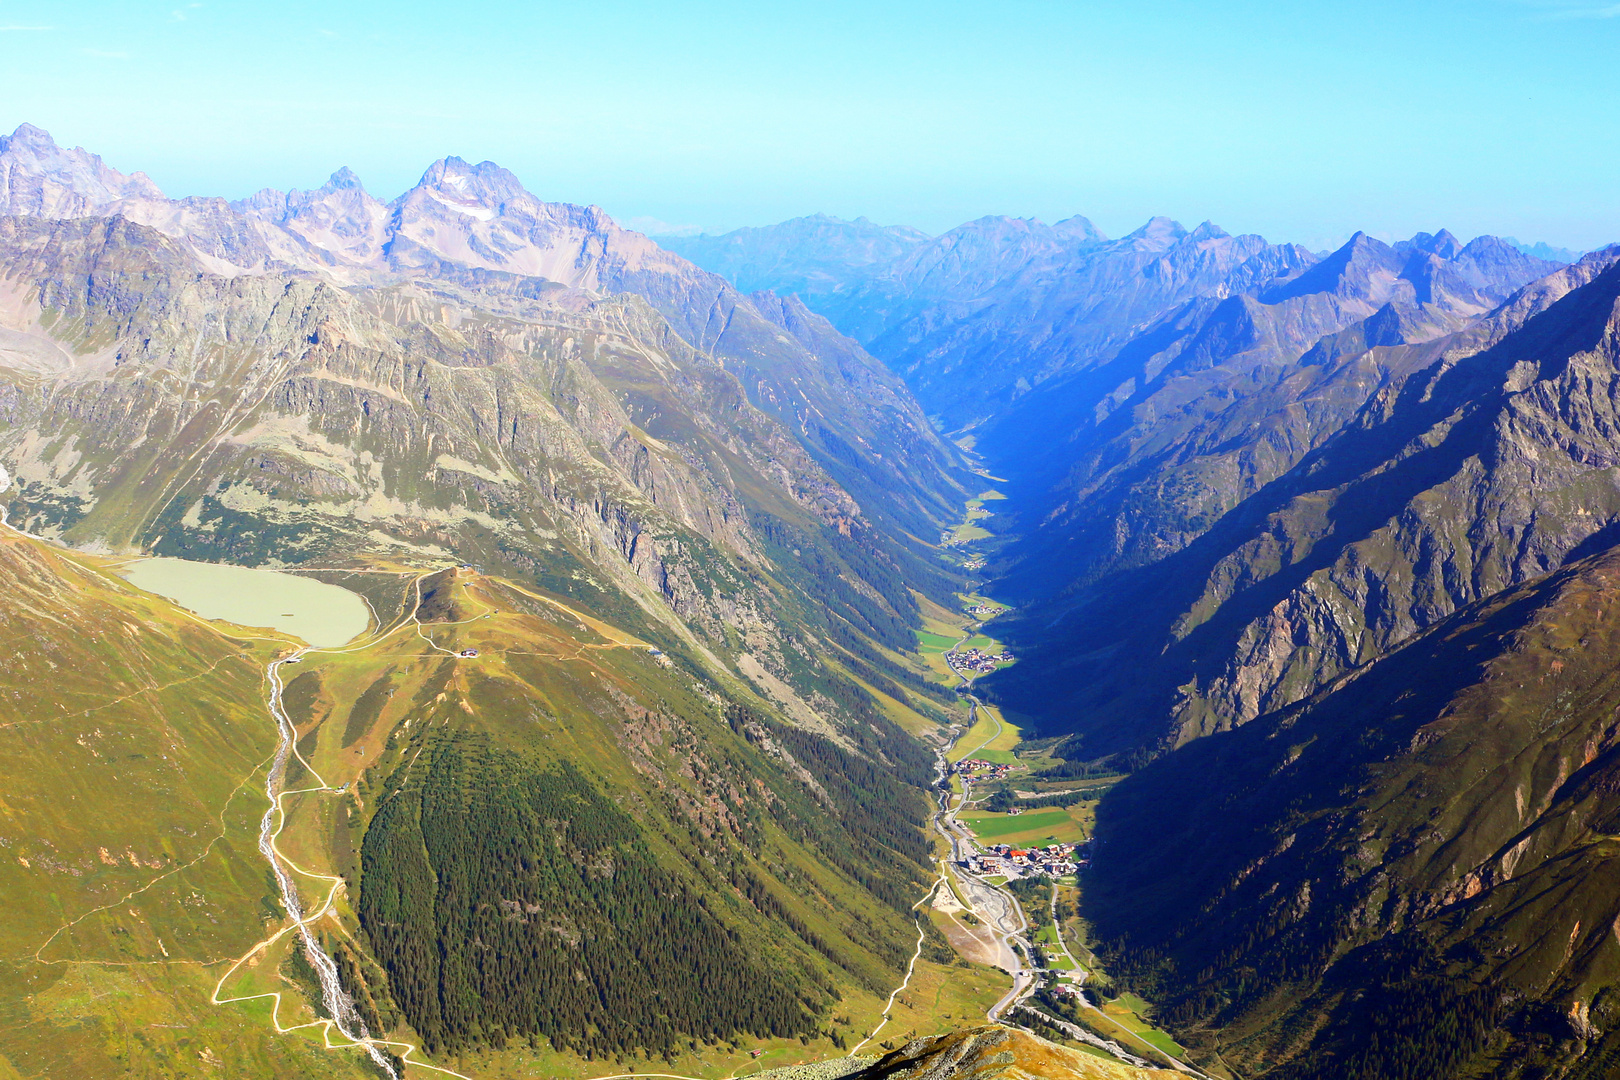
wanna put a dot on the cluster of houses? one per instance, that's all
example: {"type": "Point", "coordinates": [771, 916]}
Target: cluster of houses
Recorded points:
{"type": "Point", "coordinates": [1056, 860]}
{"type": "Point", "coordinates": [979, 769]}
{"type": "Point", "coordinates": [983, 610]}
{"type": "Point", "coordinates": [976, 660]}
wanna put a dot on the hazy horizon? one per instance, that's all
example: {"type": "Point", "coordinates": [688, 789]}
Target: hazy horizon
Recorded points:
{"type": "Point", "coordinates": [1299, 125]}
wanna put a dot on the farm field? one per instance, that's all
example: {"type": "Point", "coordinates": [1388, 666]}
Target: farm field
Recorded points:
{"type": "Point", "coordinates": [992, 738]}
{"type": "Point", "coordinates": [969, 530]}
{"type": "Point", "coordinates": [1128, 1010]}
{"type": "Point", "coordinates": [1037, 828]}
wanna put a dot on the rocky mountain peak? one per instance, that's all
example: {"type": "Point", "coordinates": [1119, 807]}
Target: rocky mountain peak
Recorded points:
{"type": "Point", "coordinates": [1158, 234]}
{"type": "Point", "coordinates": [1361, 243]}
{"type": "Point", "coordinates": [1208, 230]}
{"type": "Point", "coordinates": [1349, 270]}
{"type": "Point", "coordinates": [343, 180]}
{"type": "Point", "coordinates": [28, 137]}
{"type": "Point", "coordinates": [1388, 325]}
{"type": "Point", "coordinates": [485, 184]}
{"type": "Point", "coordinates": [999, 225]}
{"type": "Point", "coordinates": [1544, 251]}
{"type": "Point", "coordinates": [482, 216]}
{"type": "Point", "coordinates": [337, 225]}
{"type": "Point", "coordinates": [1442, 243]}
{"type": "Point", "coordinates": [342, 188]}
{"type": "Point", "coordinates": [1493, 247]}
{"type": "Point", "coordinates": [1079, 228]}
{"type": "Point", "coordinates": [42, 179]}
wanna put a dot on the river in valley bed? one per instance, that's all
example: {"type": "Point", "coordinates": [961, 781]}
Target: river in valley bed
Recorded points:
{"type": "Point", "coordinates": [319, 614]}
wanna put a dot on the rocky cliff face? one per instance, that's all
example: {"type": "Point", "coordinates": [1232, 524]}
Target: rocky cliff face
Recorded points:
{"type": "Point", "coordinates": [1409, 873]}
{"type": "Point", "coordinates": [1485, 470]}
{"type": "Point", "coordinates": [1130, 461]}
{"type": "Point", "coordinates": [1443, 472]}
{"type": "Point", "coordinates": [406, 386]}
{"type": "Point", "coordinates": [476, 228]}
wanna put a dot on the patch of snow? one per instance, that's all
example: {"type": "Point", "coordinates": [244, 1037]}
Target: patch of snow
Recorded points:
{"type": "Point", "coordinates": [482, 213]}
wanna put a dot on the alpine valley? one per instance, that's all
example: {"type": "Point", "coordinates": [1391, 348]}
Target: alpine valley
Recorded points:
{"type": "Point", "coordinates": [816, 651]}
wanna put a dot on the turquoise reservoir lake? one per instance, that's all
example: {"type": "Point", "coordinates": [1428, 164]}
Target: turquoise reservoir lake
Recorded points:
{"type": "Point", "coordinates": [317, 613]}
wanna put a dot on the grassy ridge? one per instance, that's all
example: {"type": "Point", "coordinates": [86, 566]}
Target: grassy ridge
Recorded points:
{"type": "Point", "coordinates": [150, 746]}
{"type": "Point", "coordinates": [817, 902]}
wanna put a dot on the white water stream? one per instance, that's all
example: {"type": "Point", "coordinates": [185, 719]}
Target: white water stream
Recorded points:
{"type": "Point", "coordinates": [323, 615]}
{"type": "Point", "coordinates": [345, 1017]}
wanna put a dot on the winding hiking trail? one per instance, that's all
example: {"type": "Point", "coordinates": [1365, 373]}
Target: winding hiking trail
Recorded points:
{"type": "Point", "coordinates": [343, 1027]}
{"type": "Point", "coordinates": [911, 967]}
{"type": "Point", "coordinates": [344, 1018]}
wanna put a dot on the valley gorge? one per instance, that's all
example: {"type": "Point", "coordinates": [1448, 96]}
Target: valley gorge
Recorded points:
{"type": "Point", "coordinates": [1240, 504]}
{"type": "Point", "coordinates": [735, 601]}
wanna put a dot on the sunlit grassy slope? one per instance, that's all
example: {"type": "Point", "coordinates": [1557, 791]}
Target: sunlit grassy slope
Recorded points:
{"type": "Point", "coordinates": [819, 902]}
{"type": "Point", "coordinates": [991, 738]}
{"type": "Point", "coordinates": [131, 788]}
{"type": "Point", "coordinates": [132, 746]}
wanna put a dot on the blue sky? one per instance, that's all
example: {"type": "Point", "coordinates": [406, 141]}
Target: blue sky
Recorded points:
{"type": "Point", "coordinates": [1303, 121]}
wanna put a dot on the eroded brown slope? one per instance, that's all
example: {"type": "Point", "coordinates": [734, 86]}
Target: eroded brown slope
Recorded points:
{"type": "Point", "coordinates": [998, 1053]}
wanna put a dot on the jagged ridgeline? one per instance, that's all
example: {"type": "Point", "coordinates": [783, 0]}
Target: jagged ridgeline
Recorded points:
{"type": "Point", "coordinates": [673, 800]}
{"type": "Point", "coordinates": [1300, 519]}
{"type": "Point", "coordinates": [573, 441]}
